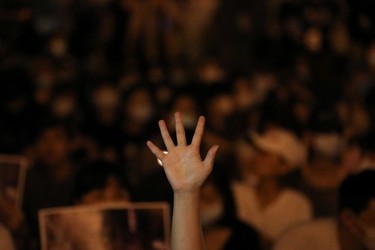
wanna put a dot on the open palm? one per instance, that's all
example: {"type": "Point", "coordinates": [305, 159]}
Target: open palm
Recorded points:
{"type": "Point", "coordinates": [183, 164]}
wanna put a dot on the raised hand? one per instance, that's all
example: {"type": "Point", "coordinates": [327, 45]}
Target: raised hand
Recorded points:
{"type": "Point", "coordinates": [183, 165]}
{"type": "Point", "coordinates": [186, 173]}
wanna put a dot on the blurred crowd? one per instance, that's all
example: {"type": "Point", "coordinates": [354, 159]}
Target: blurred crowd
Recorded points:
{"type": "Point", "coordinates": [88, 80]}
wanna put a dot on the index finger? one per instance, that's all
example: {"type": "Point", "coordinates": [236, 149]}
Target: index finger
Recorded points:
{"type": "Point", "coordinates": [198, 134]}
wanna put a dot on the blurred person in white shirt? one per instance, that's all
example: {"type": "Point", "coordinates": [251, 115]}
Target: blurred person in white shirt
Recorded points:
{"type": "Point", "coordinates": [268, 205]}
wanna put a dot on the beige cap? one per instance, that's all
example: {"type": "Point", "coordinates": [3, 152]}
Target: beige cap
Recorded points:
{"type": "Point", "coordinates": [282, 143]}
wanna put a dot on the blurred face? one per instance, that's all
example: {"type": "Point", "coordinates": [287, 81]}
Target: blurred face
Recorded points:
{"type": "Point", "coordinates": [139, 106]}
{"type": "Point", "coordinates": [220, 108]}
{"type": "Point", "coordinates": [58, 46]}
{"type": "Point", "coordinates": [266, 164]}
{"type": "Point", "coordinates": [328, 144]}
{"type": "Point", "coordinates": [106, 100]}
{"type": "Point", "coordinates": [63, 106]}
{"type": "Point", "coordinates": [112, 192]}
{"type": "Point", "coordinates": [211, 72]}
{"type": "Point", "coordinates": [313, 39]}
{"type": "Point", "coordinates": [188, 109]}
{"type": "Point", "coordinates": [52, 146]}
{"type": "Point", "coordinates": [223, 105]}
{"type": "Point", "coordinates": [185, 104]}
{"type": "Point", "coordinates": [243, 94]}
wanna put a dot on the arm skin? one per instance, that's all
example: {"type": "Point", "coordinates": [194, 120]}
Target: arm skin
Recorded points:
{"type": "Point", "coordinates": [186, 172]}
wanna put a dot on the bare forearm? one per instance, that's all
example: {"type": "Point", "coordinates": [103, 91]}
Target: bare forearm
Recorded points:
{"type": "Point", "coordinates": [186, 226]}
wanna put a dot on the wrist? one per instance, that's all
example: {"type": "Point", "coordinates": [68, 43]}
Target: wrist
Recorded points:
{"type": "Point", "coordinates": [187, 193]}
{"type": "Point", "coordinates": [188, 196]}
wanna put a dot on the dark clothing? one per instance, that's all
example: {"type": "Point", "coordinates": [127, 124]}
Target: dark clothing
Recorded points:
{"type": "Point", "coordinates": [243, 237]}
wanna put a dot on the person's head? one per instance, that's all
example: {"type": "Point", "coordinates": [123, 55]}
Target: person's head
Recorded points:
{"type": "Point", "coordinates": [277, 151]}
{"type": "Point", "coordinates": [105, 100]}
{"type": "Point", "coordinates": [53, 144]}
{"type": "Point", "coordinates": [100, 181]}
{"type": "Point", "coordinates": [64, 104]}
{"type": "Point", "coordinates": [185, 103]}
{"type": "Point", "coordinates": [219, 107]}
{"type": "Point", "coordinates": [356, 207]}
{"type": "Point", "coordinates": [325, 131]}
{"type": "Point", "coordinates": [139, 104]}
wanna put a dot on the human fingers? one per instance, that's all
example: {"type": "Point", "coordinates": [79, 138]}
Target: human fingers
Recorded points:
{"type": "Point", "coordinates": [180, 131]}
{"type": "Point", "coordinates": [165, 134]}
{"type": "Point", "coordinates": [210, 157]}
{"type": "Point", "coordinates": [198, 134]}
{"type": "Point", "coordinates": [155, 150]}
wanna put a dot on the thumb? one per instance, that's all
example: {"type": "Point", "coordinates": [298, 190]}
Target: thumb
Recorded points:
{"type": "Point", "coordinates": [210, 157]}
